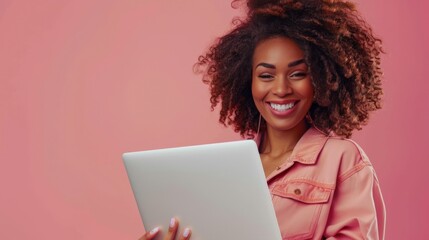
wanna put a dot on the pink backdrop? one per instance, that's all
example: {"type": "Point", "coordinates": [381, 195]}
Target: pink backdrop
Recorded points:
{"type": "Point", "coordinates": [84, 81]}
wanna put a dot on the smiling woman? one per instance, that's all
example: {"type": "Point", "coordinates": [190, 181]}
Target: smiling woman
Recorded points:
{"type": "Point", "coordinates": [301, 75]}
{"type": "Point", "coordinates": [282, 91]}
{"type": "Point", "coordinates": [281, 85]}
{"type": "Point", "coordinates": [338, 47]}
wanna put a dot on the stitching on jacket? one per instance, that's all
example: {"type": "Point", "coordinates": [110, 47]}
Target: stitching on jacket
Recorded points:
{"type": "Point", "coordinates": [324, 190]}
{"type": "Point", "coordinates": [352, 171]}
{"type": "Point", "coordinates": [298, 157]}
{"type": "Point", "coordinates": [305, 199]}
{"type": "Point", "coordinates": [309, 181]}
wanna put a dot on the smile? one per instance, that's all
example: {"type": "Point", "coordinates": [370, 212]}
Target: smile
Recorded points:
{"type": "Point", "coordinates": [282, 107]}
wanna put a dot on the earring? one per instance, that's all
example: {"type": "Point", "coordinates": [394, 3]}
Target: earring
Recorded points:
{"type": "Point", "coordinates": [259, 127]}
{"type": "Point", "coordinates": [309, 119]}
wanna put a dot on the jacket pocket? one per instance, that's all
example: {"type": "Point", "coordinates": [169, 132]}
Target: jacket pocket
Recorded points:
{"type": "Point", "coordinates": [298, 204]}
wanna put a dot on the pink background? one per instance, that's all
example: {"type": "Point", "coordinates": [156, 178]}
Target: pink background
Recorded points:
{"type": "Point", "coordinates": [84, 81]}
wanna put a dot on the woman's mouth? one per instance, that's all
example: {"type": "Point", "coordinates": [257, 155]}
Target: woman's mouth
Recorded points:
{"type": "Point", "coordinates": [282, 109]}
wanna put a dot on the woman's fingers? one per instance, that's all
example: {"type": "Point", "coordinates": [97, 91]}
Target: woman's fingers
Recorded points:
{"type": "Point", "coordinates": [186, 234]}
{"type": "Point", "coordinates": [172, 229]}
{"type": "Point", "coordinates": [171, 234]}
{"type": "Point", "coordinates": [150, 235]}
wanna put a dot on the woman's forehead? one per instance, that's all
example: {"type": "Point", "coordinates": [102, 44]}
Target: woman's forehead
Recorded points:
{"type": "Point", "coordinates": [278, 49]}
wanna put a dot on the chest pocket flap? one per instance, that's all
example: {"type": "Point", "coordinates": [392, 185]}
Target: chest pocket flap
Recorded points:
{"type": "Point", "coordinates": [304, 190]}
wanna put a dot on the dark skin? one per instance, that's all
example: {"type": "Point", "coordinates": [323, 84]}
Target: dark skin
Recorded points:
{"type": "Point", "coordinates": [283, 93]}
{"type": "Point", "coordinates": [271, 163]}
{"type": "Point", "coordinates": [273, 158]}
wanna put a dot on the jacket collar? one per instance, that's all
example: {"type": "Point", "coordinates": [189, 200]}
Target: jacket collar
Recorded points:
{"type": "Point", "coordinates": [309, 146]}
{"type": "Point", "coordinates": [305, 152]}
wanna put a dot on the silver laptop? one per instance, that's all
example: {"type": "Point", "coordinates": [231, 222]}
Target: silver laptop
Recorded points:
{"type": "Point", "coordinates": [218, 190]}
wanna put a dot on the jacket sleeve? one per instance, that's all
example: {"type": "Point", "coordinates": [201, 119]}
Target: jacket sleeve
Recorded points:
{"type": "Point", "coordinates": [357, 210]}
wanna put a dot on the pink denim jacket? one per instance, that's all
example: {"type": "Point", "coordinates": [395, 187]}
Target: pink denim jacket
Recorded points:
{"type": "Point", "coordinates": [327, 189]}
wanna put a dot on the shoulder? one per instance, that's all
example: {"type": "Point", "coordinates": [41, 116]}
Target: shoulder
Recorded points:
{"type": "Point", "coordinates": [350, 156]}
{"type": "Point", "coordinates": [318, 142]}
{"type": "Point", "coordinates": [346, 147]}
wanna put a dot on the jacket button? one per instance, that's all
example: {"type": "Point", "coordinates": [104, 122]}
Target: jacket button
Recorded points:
{"type": "Point", "coordinates": [297, 191]}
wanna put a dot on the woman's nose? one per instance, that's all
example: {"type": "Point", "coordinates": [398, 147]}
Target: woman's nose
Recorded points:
{"type": "Point", "coordinates": [282, 87]}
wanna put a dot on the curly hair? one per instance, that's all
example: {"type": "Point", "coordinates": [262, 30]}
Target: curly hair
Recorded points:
{"type": "Point", "coordinates": [339, 48]}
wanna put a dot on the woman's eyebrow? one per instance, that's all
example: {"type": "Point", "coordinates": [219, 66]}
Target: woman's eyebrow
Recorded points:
{"type": "Point", "coordinates": [297, 62]}
{"type": "Point", "coordinates": [291, 64]}
{"type": "Point", "coordinates": [267, 65]}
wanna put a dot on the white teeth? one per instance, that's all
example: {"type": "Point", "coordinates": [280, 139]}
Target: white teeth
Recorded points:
{"type": "Point", "coordinates": [282, 107]}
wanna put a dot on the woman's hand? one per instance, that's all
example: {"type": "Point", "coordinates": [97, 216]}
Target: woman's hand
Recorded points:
{"type": "Point", "coordinates": [171, 234]}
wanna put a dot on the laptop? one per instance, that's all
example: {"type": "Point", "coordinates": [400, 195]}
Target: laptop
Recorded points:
{"type": "Point", "coordinates": [218, 190]}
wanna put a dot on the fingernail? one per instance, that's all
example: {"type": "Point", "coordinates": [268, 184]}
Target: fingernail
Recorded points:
{"type": "Point", "coordinates": [172, 222]}
{"type": "Point", "coordinates": [186, 232]}
{"type": "Point", "coordinates": [155, 230]}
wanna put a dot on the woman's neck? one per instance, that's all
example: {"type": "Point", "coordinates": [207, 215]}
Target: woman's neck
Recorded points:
{"type": "Point", "coordinates": [278, 142]}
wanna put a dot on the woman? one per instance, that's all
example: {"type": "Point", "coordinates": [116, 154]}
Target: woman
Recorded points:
{"type": "Point", "coordinates": [300, 76]}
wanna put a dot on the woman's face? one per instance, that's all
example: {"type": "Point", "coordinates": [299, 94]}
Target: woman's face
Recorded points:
{"type": "Point", "coordinates": [281, 85]}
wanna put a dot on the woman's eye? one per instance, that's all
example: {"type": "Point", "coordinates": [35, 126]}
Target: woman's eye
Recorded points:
{"type": "Point", "coordinates": [265, 76]}
{"type": "Point", "coordinates": [298, 75]}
